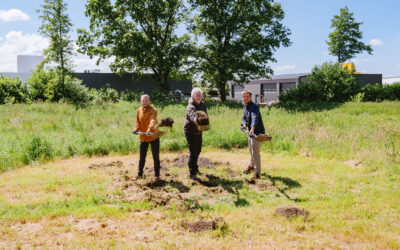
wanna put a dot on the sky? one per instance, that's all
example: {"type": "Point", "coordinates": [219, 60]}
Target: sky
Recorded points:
{"type": "Point", "coordinates": [308, 20]}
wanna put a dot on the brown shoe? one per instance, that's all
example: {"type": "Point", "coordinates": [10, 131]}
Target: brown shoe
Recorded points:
{"type": "Point", "coordinates": [157, 179]}
{"type": "Point", "coordinates": [248, 170]}
{"type": "Point", "coordinates": [255, 177]}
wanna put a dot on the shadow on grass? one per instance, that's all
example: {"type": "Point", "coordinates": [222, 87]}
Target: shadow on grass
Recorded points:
{"type": "Point", "coordinates": [287, 184]}
{"type": "Point", "coordinates": [231, 186]}
{"type": "Point", "coordinates": [175, 184]}
{"type": "Point", "coordinates": [293, 107]}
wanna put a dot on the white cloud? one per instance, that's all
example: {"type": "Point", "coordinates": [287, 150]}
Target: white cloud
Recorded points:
{"type": "Point", "coordinates": [375, 42]}
{"type": "Point", "coordinates": [285, 67]}
{"type": "Point", "coordinates": [17, 43]}
{"type": "Point", "coordinates": [13, 15]}
{"type": "Point", "coordinates": [83, 62]}
{"type": "Point", "coordinates": [398, 65]}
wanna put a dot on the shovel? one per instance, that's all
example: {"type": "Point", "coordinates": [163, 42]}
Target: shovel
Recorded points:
{"type": "Point", "coordinates": [156, 134]}
{"type": "Point", "coordinates": [260, 137]}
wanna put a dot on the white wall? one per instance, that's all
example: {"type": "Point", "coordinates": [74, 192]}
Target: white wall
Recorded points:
{"type": "Point", "coordinates": [390, 80]}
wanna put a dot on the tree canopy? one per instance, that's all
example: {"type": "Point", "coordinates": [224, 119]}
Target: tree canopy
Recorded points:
{"type": "Point", "coordinates": [345, 40]}
{"type": "Point", "coordinates": [240, 39]}
{"type": "Point", "coordinates": [139, 35]}
{"type": "Point", "coordinates": [56, 26]}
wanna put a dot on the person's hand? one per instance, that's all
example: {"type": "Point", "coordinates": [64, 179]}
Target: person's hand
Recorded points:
{"type": "Point", "coordinates": [243, 127]}
{"type": "Point", "coordinates": [148, 132]}
{"type": "Point", "coordinates": [252, 130]}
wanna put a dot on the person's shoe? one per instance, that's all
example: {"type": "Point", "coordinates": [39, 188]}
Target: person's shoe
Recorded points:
{"type": "Point", "coordinates": [194, 178]}
{"type": "Point", "coordinates": [199, 173]}
{"type": "Point", "coordinates": [248, 170]}
{"type": "Point", "coordinates": [255, 177]}
{"type": "Point", "coordinates": [157, 179]}
{"type": "Point", "coordinates": [138, 177]}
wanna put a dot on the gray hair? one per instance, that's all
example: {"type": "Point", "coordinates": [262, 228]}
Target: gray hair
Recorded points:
{"type": "Point", "coordinates": [144, 96]}
{"type": "Point", "coordinates": [195, 90]}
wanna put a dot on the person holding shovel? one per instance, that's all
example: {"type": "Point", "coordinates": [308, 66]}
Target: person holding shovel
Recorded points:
{"type": "Point", "coordinates": [146, 121]}
{"type": "Point", "coordinates": [196, 122]}
{"type": "Point", "coordinates": [253, 121]}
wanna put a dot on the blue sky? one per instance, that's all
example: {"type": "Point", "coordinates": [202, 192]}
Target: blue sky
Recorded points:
{"type": "Point", "coordinates": [308, 20]}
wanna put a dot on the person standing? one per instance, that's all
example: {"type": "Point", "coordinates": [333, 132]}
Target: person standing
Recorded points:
{"type": "Point", "coordinates": [253, 121]}
{"type": "Point", "coordinates": [191, 130]}
{"type": "Point", "coordinates": [146, 121]}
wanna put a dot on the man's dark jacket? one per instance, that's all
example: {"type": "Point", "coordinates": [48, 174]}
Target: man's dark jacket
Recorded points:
{"type": "Point", "coordinates": [190, 125]}
{"type": "Point", "coordinates": [252, 118]}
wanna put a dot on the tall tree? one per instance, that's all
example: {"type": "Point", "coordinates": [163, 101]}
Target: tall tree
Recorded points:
{"type": "Point", "coordinates": [240, 39]}
{"type": "Point", "coordinates": [140, 35]}
{"type": "Point", "coordinates": [345, 40]}
{"type": "Point", "coordinates": [56, 26]}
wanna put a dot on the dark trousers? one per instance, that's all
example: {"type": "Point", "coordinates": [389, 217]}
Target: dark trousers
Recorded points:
{"type": "Point", "coordinates": [194, 143]}
{"type": "Point", "coordinates": [155, 150]}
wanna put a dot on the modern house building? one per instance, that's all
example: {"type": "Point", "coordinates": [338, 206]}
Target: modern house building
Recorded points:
{"type": "Point", "coordinates": [268, 90]}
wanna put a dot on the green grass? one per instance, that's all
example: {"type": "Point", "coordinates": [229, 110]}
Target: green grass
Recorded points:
{"type": "Point", "coordinates": [44, 131]}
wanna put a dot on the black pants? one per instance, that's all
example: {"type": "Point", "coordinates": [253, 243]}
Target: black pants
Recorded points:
{"type": "Point", "coordinates": [194, 143]}
{"type": "Point", "coordinates": [155, 149]}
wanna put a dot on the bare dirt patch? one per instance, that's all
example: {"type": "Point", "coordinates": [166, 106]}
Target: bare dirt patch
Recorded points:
{"type": "Point", "coordinates": [290, 212]}
{"type": "Point", "coordinates": [200, 226]}
{"type": "Point", "coordinates": [105, 165]}
{"type": "Point", "coordinates": [182, 160]}
{"type": "Point", "coordinates": [354, 163]}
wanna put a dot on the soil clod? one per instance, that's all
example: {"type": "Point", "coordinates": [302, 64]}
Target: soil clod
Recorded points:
{"type": "Point", "coordinates": [292, 212]}
{"type": "Point", "coordinates": [106, 165]}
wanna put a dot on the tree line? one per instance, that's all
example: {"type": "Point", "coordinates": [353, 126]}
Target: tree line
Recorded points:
{"type": "Point", "coordinates": [225, 40]}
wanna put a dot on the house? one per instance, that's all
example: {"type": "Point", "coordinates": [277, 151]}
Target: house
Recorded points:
{"type": "Point", "coordinates": [268, 90]}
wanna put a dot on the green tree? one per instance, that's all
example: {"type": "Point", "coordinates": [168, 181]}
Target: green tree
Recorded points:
{"type": "Point", "coordinates": [240, 39]}
{"type": "Point", "coordinates": [345, 41]}
{"type": "Point", "coordinates": [56, 26]}
{"type": "Point", "coordinates": [140, 35]}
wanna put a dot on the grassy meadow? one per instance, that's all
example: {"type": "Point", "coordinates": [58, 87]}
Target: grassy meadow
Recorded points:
{"type": "Point", "coordinates": [342, 164]}
{"type": "Point", "coordinates": [41, 132]}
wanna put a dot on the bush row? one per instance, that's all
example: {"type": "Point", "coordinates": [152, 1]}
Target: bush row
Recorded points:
{"type": "Point", "coordinates": [331, 83]}
{"type": "Point", "coordinates": [45, 85]}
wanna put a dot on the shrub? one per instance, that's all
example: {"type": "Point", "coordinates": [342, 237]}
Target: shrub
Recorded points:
{"type": "Point", "coordinates": [45, 85]}
{"type": "Point", "coordinates": [12, 91]}
{"type": "Point", "coordinates": [326, 83]}
{"type": "Point", "coordinates": [131, 96]}
{"type": "Point", "coordinates": [378, 93]}
{"type": "Point", "coordinates": [104, 94]}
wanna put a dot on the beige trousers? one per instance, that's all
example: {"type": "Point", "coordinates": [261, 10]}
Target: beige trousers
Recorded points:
{"type": "Point", "coordinates": [255, 158]}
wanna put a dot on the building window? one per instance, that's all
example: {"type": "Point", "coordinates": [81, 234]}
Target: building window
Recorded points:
{"type": "Point", "coordinates": [268, 88]}
{"type": "Point", "coordinates": [237, 90]}
{"type": "Point", "coordinates": [286, 86]}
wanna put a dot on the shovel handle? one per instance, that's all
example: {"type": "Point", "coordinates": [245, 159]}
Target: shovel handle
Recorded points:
{"type": "Point", "coordinates": [248, 132]}
{"type": "Point", "coordinates": [141, 133]}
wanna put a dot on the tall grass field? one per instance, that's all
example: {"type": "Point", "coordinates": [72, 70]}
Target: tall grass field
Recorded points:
{"type": "Point", "coordinates": [41, 132]}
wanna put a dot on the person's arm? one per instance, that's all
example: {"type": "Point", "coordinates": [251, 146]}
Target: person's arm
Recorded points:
{"type": "Point", "coordinates": [153, 121]}
{"type": "Point", "coordinates": [191, 112]}
{"type": "Point", "coordinates": [243, 120]}
{"type": "Point", "coordinates": [255, 114]}
{"type": "Point", "coordinates": [137, 127]}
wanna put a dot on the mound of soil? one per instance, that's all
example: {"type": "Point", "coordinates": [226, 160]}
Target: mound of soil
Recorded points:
{"type": "Point", "coordinates": [182, 161]}
{"type": "Point", "coordinates": [292, 212]}
{"type": "Point", "coordinates": [199, 226]}
{"type": "Point", "coordinates": [230, 172]}
{"type": "Point", "coordinates": [105, 165]}
{"type": "Point", "coordinates": [167, 122]}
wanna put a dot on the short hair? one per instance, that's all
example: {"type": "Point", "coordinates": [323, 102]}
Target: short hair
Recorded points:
{"type": "Point", "coordinates": [196, 90]}
{"type": "Point", "coordinates": [246, 92]}
{"type": "Point", "coordinates": [144, 96]}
